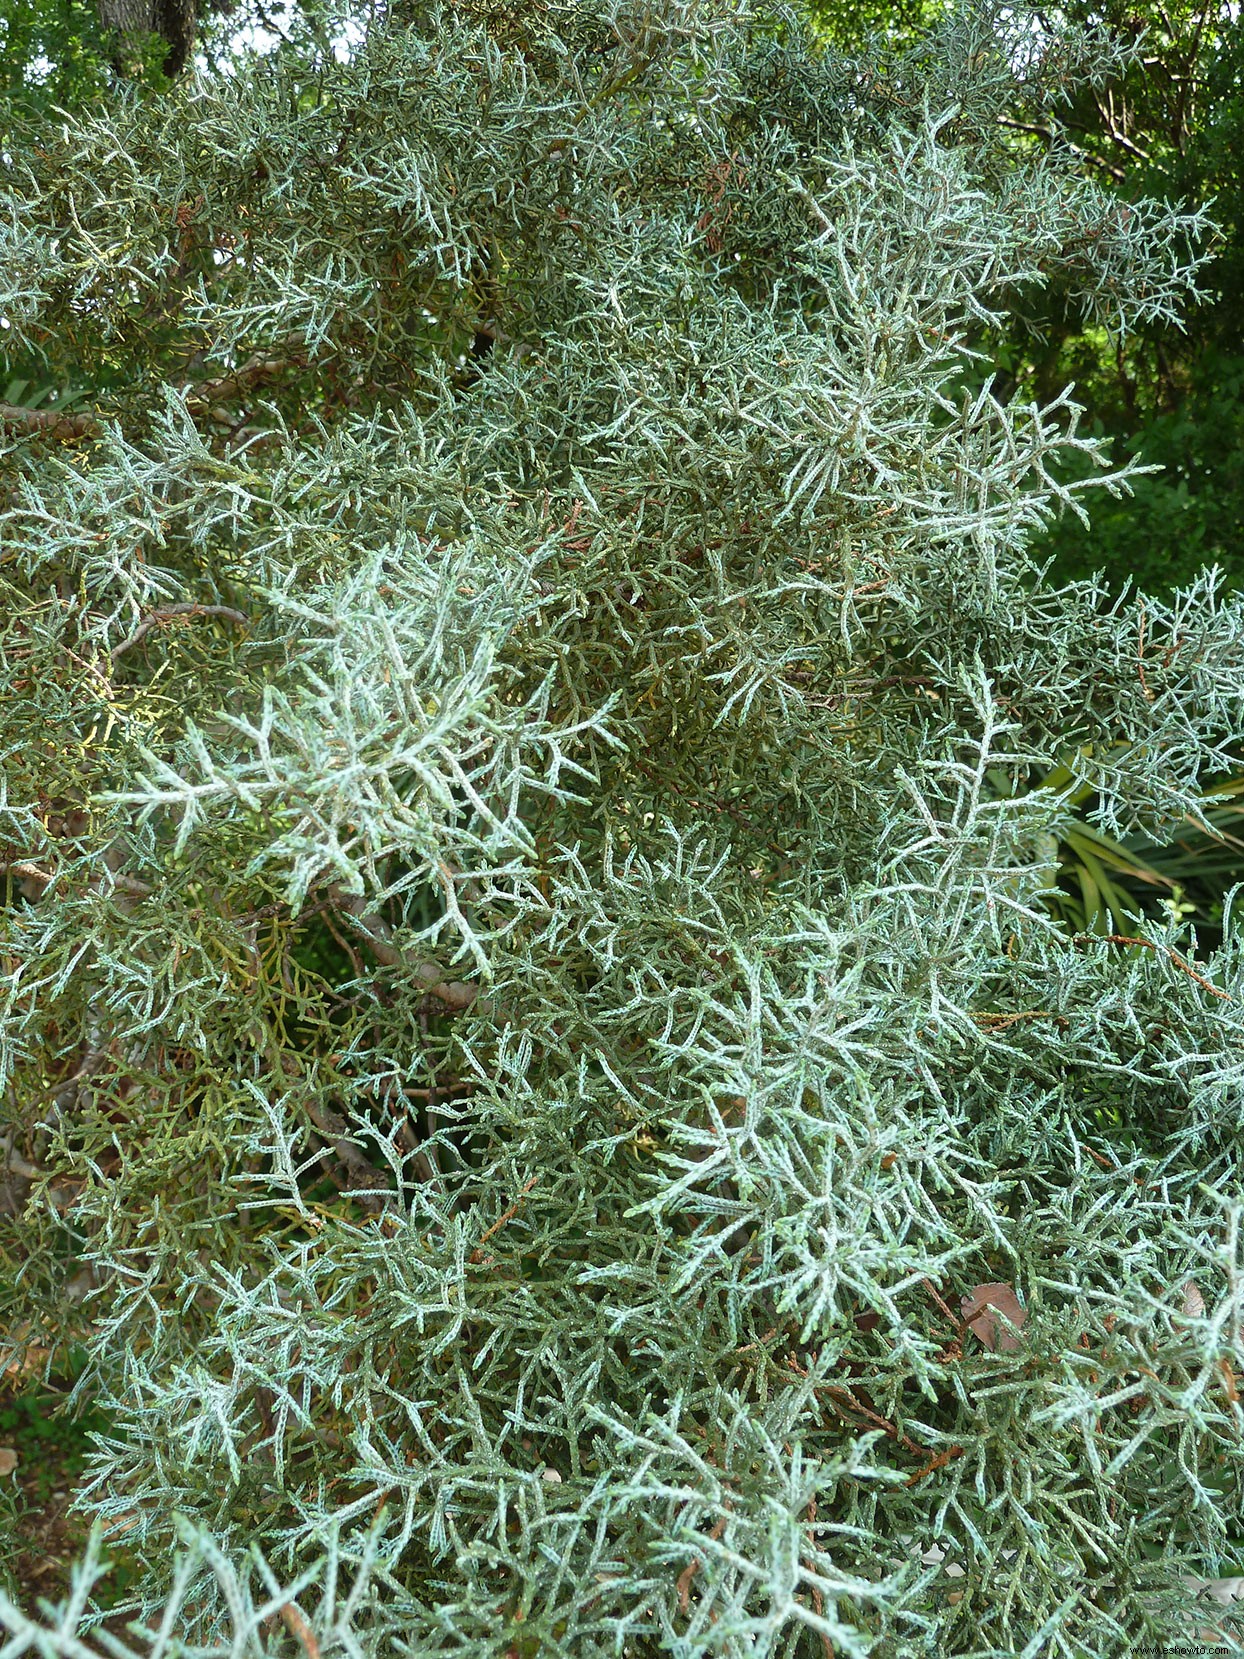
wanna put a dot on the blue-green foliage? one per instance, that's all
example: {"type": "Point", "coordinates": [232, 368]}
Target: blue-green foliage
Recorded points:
{"type": "Point", "coordinates": [520, 978]}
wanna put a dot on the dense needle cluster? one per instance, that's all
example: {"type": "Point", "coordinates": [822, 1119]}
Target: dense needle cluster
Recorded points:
{"type": "Point", "coordinates": [524, 985]}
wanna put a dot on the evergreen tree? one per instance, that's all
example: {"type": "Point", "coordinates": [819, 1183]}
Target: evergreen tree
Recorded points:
{"type": "Point", "coordinates": [536, 1069]}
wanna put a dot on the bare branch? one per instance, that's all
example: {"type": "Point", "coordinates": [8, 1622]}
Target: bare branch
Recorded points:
{"type": "Point", "coordinates": [34, 872]}
{"type": "Point", "coordinates": [455, 994]}
{"type": "Point", "coordinates": [201, 397]}
{"type": "Point", "coordinates": [1117, 173]}
{"type": "Point", "coordinates": [258, 368]}
{"type": "Point", "coordinates": [15, 418]}
{"type": "Point", "coordinates": [1113, 131]}
{"type": "Point", "coordinates": [168, 613]}
{"type": "Point", "coordinates": [365, 1181]}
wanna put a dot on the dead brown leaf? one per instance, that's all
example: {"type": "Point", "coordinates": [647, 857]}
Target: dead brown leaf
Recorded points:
{"type": "Point", "coordinates": [981, 1308]}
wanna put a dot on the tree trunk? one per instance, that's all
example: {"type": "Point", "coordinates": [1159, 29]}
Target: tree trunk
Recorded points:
{"type": "Point", "coordinates": [173, 20]}
{"type": "Point", "coordinates": [128, 17]}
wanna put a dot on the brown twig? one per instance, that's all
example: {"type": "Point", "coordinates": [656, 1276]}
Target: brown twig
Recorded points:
{"type": "Point", "coordinates": [938, 1301]}
{"type": "Point", "coordinates": [477, 1255]}
{"type": "Point", "coordinates": [1148, 944]}
{"type": "Point", "coordinates": [1169, 656]}
{"type": "Point", "coordinates": [1114, 132]}
{"type": "Point", "coordinates": [1229, 1380]}
{"type": "Point", "coordinates": [818, 1600]}
{"type": "Point", "coordinates": [938, 1462]}
{"type": "Point", "coordinates": [693, 1566]}
{"type": "Point", "coordinates": [356, 961]}
{"type": "Point", "coordinates": [996, 1022]}
{"type": "Point", "coordinates": [1097, 1158]}
{"type": "Point", "coordinates": [294, 1622]}
{"type": "Point", "coordinates": [888, 1428]}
